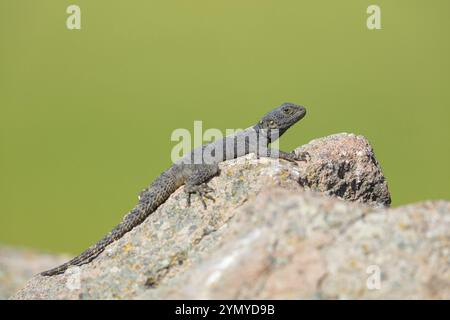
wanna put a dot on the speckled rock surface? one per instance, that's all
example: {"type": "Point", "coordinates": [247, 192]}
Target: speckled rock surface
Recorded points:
{"type": "Point", "coordinates": [18, 265]}
{"type": "Point", "coordinates": [268, 237]}
{"type": "Point", "coordinates": [285, 245]}
{"type": "Point", "coordinates": [344, 165]}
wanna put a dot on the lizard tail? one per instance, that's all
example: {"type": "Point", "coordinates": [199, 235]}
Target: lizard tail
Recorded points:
{"type": "Point", "coordinates": [134, 218]}
{"type": "Point", "coordinates": [157, 194]}
{"type": "Point", "coordinates": [85, 257]}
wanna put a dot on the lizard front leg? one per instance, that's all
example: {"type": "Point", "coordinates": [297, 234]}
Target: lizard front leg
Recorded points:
{"type": "Point", "coordinates": [292, 156]}
{"type": "Point", "coordinates": [196, 182]}
{"type": "Point", "coordinates": [289, 156]}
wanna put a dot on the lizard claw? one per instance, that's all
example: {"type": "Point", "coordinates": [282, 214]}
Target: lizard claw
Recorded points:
{"type": "Point", "coordinates": [202, 191]}
{"type": "Point", "coordinates": [293, 157]}
{"type": "Point", "coordinates": [302, 156]}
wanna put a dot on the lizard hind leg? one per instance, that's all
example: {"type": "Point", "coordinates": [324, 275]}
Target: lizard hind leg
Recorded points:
{"type": "Point", "coordinates": [196, 182]}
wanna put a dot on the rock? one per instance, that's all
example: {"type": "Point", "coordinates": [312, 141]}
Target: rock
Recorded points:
{"type": "Point", "coordinates": [286, 245]}
{"type": "Point", "coordinates": [268, 237]}
{"type": "Point", "coordinates": [344, 165]}
{"type": "Point", "coordinates": [18, 265]}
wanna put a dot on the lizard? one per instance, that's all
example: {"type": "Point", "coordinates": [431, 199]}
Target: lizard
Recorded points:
{"type": "Point", "coordinates": [196, 169]}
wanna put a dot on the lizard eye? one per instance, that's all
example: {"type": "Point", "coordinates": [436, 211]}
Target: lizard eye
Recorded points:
{"type": "Point", "coordinates": [287, 110]}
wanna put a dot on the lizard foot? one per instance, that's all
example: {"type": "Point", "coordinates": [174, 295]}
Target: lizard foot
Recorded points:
{"type": "Point", "coordinates": [293, 157]}
{"type": "Point", "coordinates": [302, 156]}
{"type": "Point", "coordinates": [202, 191]}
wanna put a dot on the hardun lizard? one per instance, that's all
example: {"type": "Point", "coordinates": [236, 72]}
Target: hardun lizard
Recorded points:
{"type": "Point", "coordinates": [194, 173]}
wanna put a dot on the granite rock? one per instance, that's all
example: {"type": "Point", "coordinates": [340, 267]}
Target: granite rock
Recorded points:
{"type": "Point", "coordinates": [271, 235]}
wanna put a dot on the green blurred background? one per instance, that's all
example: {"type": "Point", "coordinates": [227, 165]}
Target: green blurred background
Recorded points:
{"type": "Point", "coordinates": [86, 115]}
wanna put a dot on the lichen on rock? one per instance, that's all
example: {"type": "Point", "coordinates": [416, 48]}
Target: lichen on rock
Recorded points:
{"type": "Point", "coordinates": [276, 230]}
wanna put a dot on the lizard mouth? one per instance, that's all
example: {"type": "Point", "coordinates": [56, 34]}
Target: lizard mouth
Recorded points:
{"type": "Point", "coordinates": [300, 114]}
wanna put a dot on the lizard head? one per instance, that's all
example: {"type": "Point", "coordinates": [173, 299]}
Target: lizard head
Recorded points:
{"type": "Point", "coordinates": [277, 121]}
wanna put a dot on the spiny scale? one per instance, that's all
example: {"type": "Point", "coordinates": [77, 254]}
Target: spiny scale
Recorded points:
{"type": "Point", "coordinates": [195, 176]}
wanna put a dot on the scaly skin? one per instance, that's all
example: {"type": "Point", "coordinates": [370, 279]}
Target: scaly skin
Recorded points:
{"type": "Point", "coordinates": [194, 173]}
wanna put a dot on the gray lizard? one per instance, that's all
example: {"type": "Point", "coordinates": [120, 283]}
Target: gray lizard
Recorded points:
{"type": "Point", "coordinates": [196, 169]}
